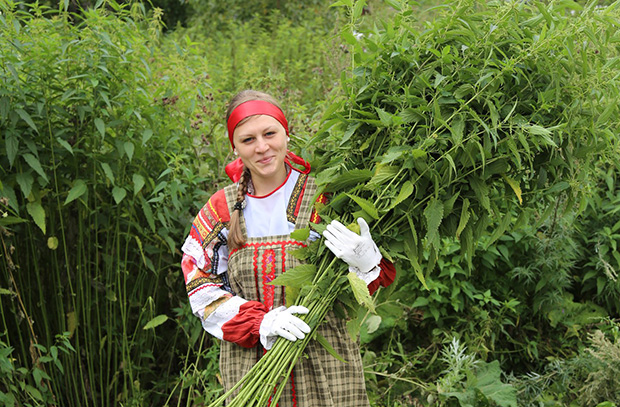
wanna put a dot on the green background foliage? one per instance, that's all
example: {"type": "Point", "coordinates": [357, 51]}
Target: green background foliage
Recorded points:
{"type": "Point", "coordinates": [489, 131]}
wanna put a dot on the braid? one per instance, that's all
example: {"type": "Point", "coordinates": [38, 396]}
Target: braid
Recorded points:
{"type": "Point", "coordinates": [235, 234]}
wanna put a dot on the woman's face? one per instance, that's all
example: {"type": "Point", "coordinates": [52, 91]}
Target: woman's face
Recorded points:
{"type": "Point", "coordinates": [261, 143]}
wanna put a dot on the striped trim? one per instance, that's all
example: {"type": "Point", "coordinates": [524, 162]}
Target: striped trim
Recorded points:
{"type": "Point", "coordinates": [213, 234]}
{"type": "Point", "coordinates": [295, 201]}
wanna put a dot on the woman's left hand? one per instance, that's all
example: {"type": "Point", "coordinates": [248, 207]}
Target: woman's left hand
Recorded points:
{"type": "Point", "coordinates": [359, 251]}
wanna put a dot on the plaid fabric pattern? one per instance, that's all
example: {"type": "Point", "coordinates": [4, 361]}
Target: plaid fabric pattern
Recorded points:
{"type": "Point", "coordinates": [319, 379]}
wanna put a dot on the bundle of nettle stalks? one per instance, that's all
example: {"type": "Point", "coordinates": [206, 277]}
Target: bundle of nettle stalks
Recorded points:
{"type": "Point", "coordinates": [464, 129]}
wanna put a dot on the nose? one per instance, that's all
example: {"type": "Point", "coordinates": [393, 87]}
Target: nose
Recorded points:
{"type": "Point", "coordinates": [261, 145]}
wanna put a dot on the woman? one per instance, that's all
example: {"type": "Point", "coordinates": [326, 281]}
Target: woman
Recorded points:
{"type": "Point", "coordinates": [240, 241]}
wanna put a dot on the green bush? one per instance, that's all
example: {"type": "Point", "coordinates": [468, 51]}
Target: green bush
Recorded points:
{"type": "Point", "coordinates": [98, 132]}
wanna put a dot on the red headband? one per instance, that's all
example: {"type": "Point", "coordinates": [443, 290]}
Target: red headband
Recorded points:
{"type": "Point", "coordinates": [252, 108]}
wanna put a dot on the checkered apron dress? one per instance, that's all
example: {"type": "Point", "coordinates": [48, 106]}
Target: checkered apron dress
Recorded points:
{"type": "Point", "coordinates": [318, 380]}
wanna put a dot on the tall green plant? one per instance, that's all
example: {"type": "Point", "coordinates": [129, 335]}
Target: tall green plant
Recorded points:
{"type": "Point", "coordinates": [98, 132]}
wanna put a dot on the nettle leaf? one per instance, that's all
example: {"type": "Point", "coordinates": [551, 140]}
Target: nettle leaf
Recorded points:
{"type": "Point", "coordinates": [360, 291]}
{"type": "Point", "coordinates": [34, 163]}
{"type": "Point", "coordinates": [138, 183]}
{"type": "Point", "coordinates": [383, 173]}
{"type": "Point", "coordinates": [348, 179]}
{"type": "Point", "coordinates": [368, 207]}
{"type": "Point", "coordinates": [434, 215]}
{"type": "Point", "coordinates": [515, 187]}
{"type": "Point", "coordinates": [78, 189]}
{"type": "Point", "coordinates": [405, 191]}
{"type": "Point", "coordinates": [318, 227]}
{"type": "Point", "coordinates": [301, 234]}
{"type": "Point", "coordinates": [119, 193]}
{"type": "Point", "coordinates": [38, 214]}
{"type": "Point", "coordinates": [12, 147]}
{"type": "Point", "coordinates": [108, 172]}
{"type": "Point", "coordinates": [100, 125]}
{"type": "Point", "coordinates": [25, 181]}
{"type": "Point", "coordinates": [465, 215]}
{"type": "Point", "coordinates": [155, 322]}
{"type": "Point", "coordinates": [129, 149]}
{"type": "Point", "coordinates": [296, 277]}
{"type": "Point", "coordinates": [26, 117]}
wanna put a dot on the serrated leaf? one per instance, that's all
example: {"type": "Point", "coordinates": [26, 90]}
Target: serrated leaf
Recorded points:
{"type": "Point", "coordinates": [301, 235]}
{"type": "Point", "coordinates": [100, 125]}
{"type": "Point", "coordinates": [148, 214]}
{"type": "Point", "coordinates": [405, 191]}
{"type": "Point", "coordinates": [66, 145]}
{"type": "Point", "coordinates": [78, 189]}
{"type": "Point", "coordinates": [349, 179]}
{"type": "Point", "coordinates": [360, 291]}
{"type": "Point", "coordinates": [108, 172]}
{"type": "Point", "coordinates": [296, 277]}
{"type": "Point", "coordinates": [465, 215]}
{"type": "Point", "coordinates": [12, 147]}
{"type": "Point", "coordinates": [385, 117]}
{"type": "Point", "coordinates": [368, 207]}
{"type": "Point", "coordinates": [129, 149]}
{"type": "Point", "coordinates": [138, 183]}
{"type": "Point", "coordinates": [434, 215]}
{"type": "Point", "coordinates": [385, 172]}
{"type": "Point", "coordinates": [34, 163]}
{"type": "Point", "coordinates": [119, 194]}
{"type": "Point", "coordinates": [328, 347]}
{"type": "Point", "coordinates": [26, 117]}
{"type": "Point", "coordinates": [146, 135]}
{"type": "Point", "coordinates": [515, 187]}
{"type": "Point", "coordinates": [155, 322]}
{"type": "Point", "coordinates": [358, 8]}
{"type": "Point", "coordinates": [25, 181]}
{"type": "Point", "coordinates": [36, 211]}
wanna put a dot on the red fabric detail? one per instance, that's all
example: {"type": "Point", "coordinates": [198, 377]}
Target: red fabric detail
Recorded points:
{"type": "Point", "coordinates": [280, 186]}
{"type": "Point", "coordinates": [255, 267]}
{"type": "Point", "coordinates": [269, 273]}
{"type": "Point", "coordinates": [291, 157]}
{"type": "Point", "coordinates": [253, 108]}
{"type": "Point", "coordinates": [280, 242]}
{"type": "Point", "coordinates": [386, 277]}
{"type": "Point", "coordinates": [234, 169]}
{"type": "Point", "coordinates": [293, 389]}
{"type": "Point", "coordinates": [314, 216]}
{"type": "Point", "coordinates": [243, 328]}
{"type": "Point", "coordinates": [187, 265]}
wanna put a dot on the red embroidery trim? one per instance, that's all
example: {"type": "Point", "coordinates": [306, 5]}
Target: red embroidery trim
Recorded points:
{"type": "Point", "coordinates": [281, 243]}
{"type": "Point", "coordinates": [269, 273]}
{"type": "Point", "coordinates": [255, 262]}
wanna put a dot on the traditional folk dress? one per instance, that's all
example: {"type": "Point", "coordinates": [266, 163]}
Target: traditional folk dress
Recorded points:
{"type": "Point", "coordinates": [229, 291]}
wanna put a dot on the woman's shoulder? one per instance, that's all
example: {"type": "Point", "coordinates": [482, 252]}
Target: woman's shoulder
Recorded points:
{"type": "Point", "coordinates": [215, 210]}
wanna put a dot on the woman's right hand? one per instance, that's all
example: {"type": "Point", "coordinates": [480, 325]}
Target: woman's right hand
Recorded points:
{"type": "Point", "coordinates": [282, 322]}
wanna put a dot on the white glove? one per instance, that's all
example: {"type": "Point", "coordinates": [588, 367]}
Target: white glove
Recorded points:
{"type": "Point", "coordinates": [282, 322]}
{"type": "Point", "coordinates": [359, 251]}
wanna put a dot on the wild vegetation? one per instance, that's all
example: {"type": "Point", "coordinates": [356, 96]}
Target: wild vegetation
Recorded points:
{"type": "Point", "coordinates": [488, 132]}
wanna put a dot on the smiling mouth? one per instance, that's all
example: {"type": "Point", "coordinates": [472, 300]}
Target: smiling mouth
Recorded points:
{"type": "Point", "coordinates": [265, 160]}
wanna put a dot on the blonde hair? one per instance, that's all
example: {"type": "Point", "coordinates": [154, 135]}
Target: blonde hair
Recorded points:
{"type": "Point", "coordinates": [235, 234]}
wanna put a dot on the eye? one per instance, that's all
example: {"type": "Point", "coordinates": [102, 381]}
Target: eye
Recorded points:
{"type": "Point", "coordinates": [247, 140]}
{"type": "Point", "coordinates": [270, 133]}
